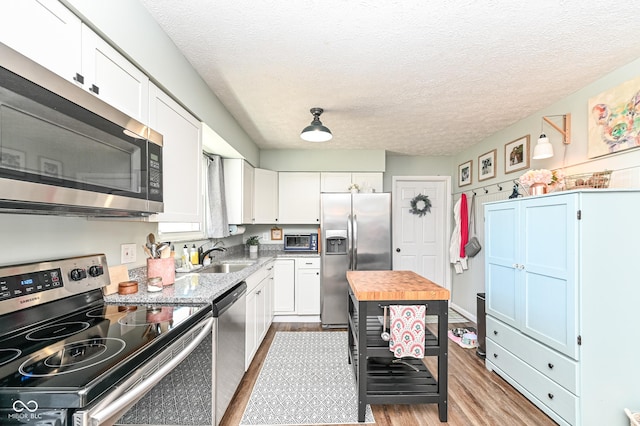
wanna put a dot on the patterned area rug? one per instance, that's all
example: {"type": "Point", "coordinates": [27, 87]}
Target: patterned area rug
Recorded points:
{"type": "Point", "coordinates": [454, 317]}
{"type": "Point", "coordinates": [305, 380]}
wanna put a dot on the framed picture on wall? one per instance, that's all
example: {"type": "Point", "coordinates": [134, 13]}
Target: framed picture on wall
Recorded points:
{"type": "Point", "coordinates": [12, 159]}
{"type": "Point", "coordinates": [276, 233]}
{"type": "Point", "coordinates": [516, 155]}
{"type": "Point", "coordinates": [487, 165]}
{"type": "Point", "coordinates": [464, 173]}
{"type": "Point", "coordinates": [50, 168]}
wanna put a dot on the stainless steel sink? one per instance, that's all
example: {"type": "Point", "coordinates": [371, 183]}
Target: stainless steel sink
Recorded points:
{"type": "Point", "coordinates": [223, 268]}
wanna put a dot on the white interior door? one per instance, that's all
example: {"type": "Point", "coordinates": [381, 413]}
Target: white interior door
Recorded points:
{"type": "Point", "coordinates": [420, 243]}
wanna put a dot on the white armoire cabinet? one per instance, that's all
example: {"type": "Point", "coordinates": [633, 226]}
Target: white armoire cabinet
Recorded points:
{"type": "Point", "coordinates": [561, 294]}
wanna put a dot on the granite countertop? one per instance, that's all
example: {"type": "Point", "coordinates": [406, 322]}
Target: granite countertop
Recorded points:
{"type": "Point", "coordinates": [199, 288]}
{"type": "Point", "coordinates": [394, 285]}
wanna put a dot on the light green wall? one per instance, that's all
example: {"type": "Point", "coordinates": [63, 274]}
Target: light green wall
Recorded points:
{"type": "Point", "coordinates": [467, 285]}
{"type": "Point", "coordinates": [406, 165]}
{"type": "Point", "coordinates": [576, 160]}
{"type": "Point", "coordinates": [323, 160]}
{"type": "Point", "coordinates": [128, 25]}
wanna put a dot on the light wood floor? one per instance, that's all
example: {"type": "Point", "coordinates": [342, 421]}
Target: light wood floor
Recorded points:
{"type": "Point", "coordinates": [476, 396]}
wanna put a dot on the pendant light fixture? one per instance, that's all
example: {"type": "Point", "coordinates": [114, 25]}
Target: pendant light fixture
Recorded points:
{"type": "Point", "coordinates": [543, 148]}
{"type": "Point", "coordinates": [316, 132]}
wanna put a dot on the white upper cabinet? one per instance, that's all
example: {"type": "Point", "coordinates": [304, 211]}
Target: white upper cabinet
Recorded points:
{"type": "Point", "coordinates": [265, 196]}
{"type": "Point", "coordinates": [299, 197]}
{"type": "Point", "coordinates": [112, 78]}
{"type": "Point", "coordinates": [238, 187]}
{"type": "Point", "coordinates": [182, 156]}
{"type": "Point", "coordinates": [51, 35]}
{"type": "Point", "coordinates": [44, 31]}
{"type": "Point", "coordinates": [340, 181]}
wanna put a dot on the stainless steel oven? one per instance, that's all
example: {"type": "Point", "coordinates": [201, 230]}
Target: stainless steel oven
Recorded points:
{"type": "Point", "coordinates": [67, 358]}
{"type": "Point", "coordinates": [65, 151]}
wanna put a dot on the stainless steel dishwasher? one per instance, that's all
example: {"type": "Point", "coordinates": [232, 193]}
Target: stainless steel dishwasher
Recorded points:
{"type": "Point", "coordinates": [229, 330]}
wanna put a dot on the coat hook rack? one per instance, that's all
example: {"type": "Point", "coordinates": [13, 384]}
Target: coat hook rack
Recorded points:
{"type": "Point", "coordinates": [474, 192]}
{"type": "Point", "coordinates": [499, 186]}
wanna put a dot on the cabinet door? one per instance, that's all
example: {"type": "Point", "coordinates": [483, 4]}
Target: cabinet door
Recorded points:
{"type": "Point", "coordinates": [299, 197]}
{"type": "Point", "coordinates": [251, 327]}
{"type": "Point", "coordinates": [502, 237]}
{"type": "Point", "coordinates": [238, 185]}
{"type": "Point", "coordinates": [44, 31]}
{"type": "Point", "coordinates": [265, 196]}
{"type": "Point", "coordinates": [368, 181]}
{"type": "Point", "coordinates": [284, 286]}
{"type": "Point", "coordinates": [308, 291]}
{"type": "Point", "coordinates": [549, 258]}
{"type": "Point", "coordinates": [335, 182]}
{"type": "Point", "coordinates": [261, 312]}
{"type": "Point", "coordinates": [113, 78]}
{"type": "Point", "coordinates": [182, 154]}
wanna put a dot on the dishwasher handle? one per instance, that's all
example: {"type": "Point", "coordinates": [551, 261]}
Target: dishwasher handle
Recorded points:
{"type": "Point", "coordinates": [110, 409]}
{"type": "Point", "coordinates": [224, 302]}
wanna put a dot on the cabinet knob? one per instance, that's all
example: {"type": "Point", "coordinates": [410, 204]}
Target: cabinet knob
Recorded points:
{"type": "Point", "coordinates": [495, 332]}
{"type": "Point", "coordinates": [258, 292]}
{"type": "Point", "coordinates": [398, 250]}
{"type": "Point", "coordinates": [495, 355]}
{"type": "Point", "coordinates": [550, 365]}
{"type": "Point", "coordinates": [550, 395]}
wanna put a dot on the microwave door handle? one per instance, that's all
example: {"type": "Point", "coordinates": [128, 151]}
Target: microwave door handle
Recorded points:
{"type": "Point", "coordinates": [349, 245]}
{"type": "Point", "coordinates": [355, 242]}
{"type": "Point", "coordinates": [117, 403]}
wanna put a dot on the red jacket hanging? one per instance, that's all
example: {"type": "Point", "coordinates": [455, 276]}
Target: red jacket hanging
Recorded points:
{"type": "Point", "coordinates": [464, 224]}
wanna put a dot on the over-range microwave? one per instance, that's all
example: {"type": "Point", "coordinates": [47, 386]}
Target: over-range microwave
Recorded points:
{"type": "Point", "coordinates": [65, 151]}
{"type": "Point", "coordinates": [301, 242]}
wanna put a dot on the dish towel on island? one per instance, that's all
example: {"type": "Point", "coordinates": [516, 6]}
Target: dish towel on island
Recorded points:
{"type": "Point", "coordinates": [407, 330]}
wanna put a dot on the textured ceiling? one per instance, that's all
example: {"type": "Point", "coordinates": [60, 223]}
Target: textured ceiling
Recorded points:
{"type": "Point", "coordinates": [414, 77]}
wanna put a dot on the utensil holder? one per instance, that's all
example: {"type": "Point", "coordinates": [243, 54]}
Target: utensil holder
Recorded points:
{"type": "Point", "coordinates": [163, 268]}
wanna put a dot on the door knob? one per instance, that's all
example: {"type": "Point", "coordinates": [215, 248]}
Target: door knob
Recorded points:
{"type": "Point", "coordinates": [397, 250]}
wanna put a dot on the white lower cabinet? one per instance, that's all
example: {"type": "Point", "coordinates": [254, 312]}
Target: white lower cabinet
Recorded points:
{"type": "Point", "coordinates": [308, 286]}
{"type": "Point", "coordinates": [561, 290]}
{"type": "Point", "coordinates": [259, 309]}
{"type": "Point", "coordinates": [284, 293]}
{"type": "Point", "coordinates": [297, 288]}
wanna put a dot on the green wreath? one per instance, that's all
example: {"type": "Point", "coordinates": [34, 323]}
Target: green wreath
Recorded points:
{"type": "Point", "coordinates": [420, 211]}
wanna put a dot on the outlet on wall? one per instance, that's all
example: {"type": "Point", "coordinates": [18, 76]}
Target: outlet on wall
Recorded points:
{"type": "Point", "coordinates": [127, 253]}
{"type": "Point", "coordinates": [266, 236]}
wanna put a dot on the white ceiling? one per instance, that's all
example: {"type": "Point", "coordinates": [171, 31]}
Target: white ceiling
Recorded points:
{"type": "Point", "coordinates": [415, 77]}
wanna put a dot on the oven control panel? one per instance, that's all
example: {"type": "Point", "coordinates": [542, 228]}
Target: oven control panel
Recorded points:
{"type": "Point", "coordinates": [26, 285]}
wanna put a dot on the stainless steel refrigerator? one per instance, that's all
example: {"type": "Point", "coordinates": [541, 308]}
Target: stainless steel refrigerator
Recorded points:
{"type": "Point", "coordinates": [356, 235]}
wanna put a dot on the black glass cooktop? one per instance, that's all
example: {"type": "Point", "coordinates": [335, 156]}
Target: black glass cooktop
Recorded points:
{"type": "Point", "coordinates": [78, 356]}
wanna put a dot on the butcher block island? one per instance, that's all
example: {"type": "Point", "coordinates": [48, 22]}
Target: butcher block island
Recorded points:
{"type": "Point", "coordinates": [382, 376]}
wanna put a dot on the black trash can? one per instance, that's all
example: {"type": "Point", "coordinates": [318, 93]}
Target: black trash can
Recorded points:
{"type": "Point", "coordinates": [481, 351]}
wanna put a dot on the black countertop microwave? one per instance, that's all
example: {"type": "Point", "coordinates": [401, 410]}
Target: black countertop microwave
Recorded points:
{"type": "Point", "coordinates": [65, 151]}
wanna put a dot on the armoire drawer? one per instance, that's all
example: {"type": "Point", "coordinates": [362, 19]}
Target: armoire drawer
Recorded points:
{"type": "Point", "coordinates": [552, 364]}
{"type": "Point", "coordinates": [549, 393]}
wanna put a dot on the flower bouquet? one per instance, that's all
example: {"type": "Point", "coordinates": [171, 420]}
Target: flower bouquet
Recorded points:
{"type": "Point", "coordinates": [541, 181]}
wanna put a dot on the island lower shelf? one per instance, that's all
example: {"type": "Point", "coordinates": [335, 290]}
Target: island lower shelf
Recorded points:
{"type": "Point", "coordinates": [383, 379]}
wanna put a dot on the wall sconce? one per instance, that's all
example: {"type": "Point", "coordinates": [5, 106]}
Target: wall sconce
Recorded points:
{"type": "Point", "coordinates": [543, 148]}
{"type": "Point", "coordinates": [316, 132]}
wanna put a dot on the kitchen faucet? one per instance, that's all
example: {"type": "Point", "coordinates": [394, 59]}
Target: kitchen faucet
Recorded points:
{"type": "Point", "coordinates": [202, 255]}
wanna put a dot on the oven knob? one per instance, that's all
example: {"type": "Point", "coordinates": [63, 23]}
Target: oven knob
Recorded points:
{"type": "Point", "coordinates": [96, 270]}
{"type": "Point", "coordinates": [78, 274]}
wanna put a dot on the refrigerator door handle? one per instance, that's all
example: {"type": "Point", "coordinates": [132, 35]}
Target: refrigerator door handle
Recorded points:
{"type": "Point", "coordinates": [349, 245]}
{"type": "Point", "coordinates": [355, 242]}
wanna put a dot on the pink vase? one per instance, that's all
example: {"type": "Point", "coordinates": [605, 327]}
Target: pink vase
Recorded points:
{"type": "Point", "coordinates": [538, 189]}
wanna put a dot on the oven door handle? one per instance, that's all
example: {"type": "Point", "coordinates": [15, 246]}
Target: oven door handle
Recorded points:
{"type": "Point", "coordinates": [111, 408]}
